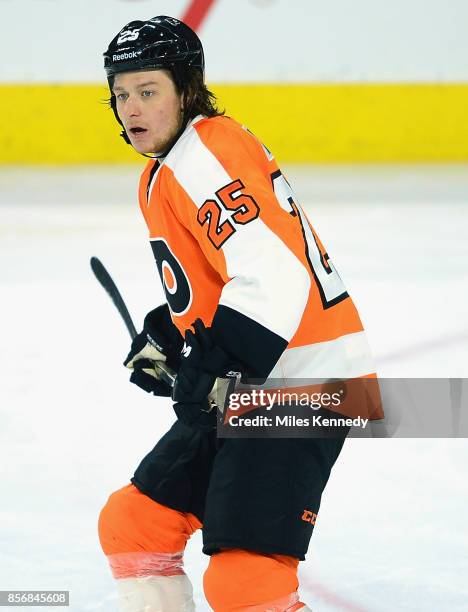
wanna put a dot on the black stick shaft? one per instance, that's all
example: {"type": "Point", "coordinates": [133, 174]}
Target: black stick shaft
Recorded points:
{"type": "Point", "coordinates": [110, 287]}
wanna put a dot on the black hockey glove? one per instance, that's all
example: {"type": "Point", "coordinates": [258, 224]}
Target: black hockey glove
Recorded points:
{"type": "Point", "coordinates": [158, 342]}
{"type": "Point", "coordinates": [202, 363]}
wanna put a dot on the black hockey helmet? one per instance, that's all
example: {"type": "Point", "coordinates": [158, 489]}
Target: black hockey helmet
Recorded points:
{"type": "Point", "coordinates": [160, 42]}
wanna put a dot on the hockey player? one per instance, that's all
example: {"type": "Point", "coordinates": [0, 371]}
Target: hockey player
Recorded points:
{"type": "Point", "coordinates": [249, 288]}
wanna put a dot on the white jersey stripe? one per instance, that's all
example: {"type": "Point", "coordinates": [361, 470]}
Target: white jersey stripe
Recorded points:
{"type": "Point", "coordinates": [345, 357]}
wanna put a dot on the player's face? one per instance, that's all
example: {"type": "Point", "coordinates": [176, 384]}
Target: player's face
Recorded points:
{"type": "Point", "coordinates": [149, 107]}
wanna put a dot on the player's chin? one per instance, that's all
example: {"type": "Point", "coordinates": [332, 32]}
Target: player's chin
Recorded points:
{"type": "Point", "coordinates": [141, 146]}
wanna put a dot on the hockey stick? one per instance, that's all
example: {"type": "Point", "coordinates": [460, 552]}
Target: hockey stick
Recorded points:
{"type": "Point", "coordinates": [110, 287]}
{"type": "Point", "coordinates": [105, 280]}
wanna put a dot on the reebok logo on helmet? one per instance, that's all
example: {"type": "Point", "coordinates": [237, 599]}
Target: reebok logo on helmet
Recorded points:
{"type": "Point", "coordinates": [124, 56]}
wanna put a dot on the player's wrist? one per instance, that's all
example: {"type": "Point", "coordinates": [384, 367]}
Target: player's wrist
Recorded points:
{"type": "Point", "coordinates": [164, 334]}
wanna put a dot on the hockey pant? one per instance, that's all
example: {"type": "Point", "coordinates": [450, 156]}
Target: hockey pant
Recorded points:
{"type": "Point", "coordinates": [144, 542]}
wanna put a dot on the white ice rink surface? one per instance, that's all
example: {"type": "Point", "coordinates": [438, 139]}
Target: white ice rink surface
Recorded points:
{"type": "Point", "coordinates": [392, 529]}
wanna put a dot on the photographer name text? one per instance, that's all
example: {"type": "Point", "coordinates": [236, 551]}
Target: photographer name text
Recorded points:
{"type": "Point", "coordinates": [293, 421]}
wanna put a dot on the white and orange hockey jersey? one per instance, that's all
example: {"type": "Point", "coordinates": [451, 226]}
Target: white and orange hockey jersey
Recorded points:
{"type": "Point", "coordinates": [234, 248]}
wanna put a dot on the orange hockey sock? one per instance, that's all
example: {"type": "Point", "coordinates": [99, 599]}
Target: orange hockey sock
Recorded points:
{"type": "Point", "coordinates": [142, 537]}
{"type": "Point", "coordinates": [242, 580]}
